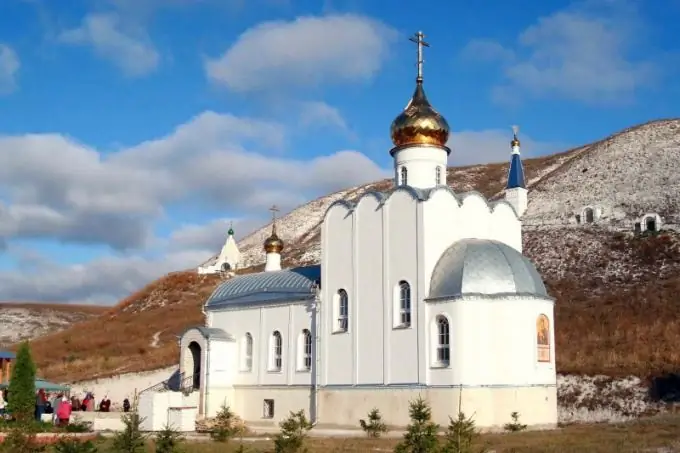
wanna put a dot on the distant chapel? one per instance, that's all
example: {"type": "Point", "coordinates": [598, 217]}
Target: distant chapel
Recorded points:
{"type": "Point", "coordinates": [420, 291]}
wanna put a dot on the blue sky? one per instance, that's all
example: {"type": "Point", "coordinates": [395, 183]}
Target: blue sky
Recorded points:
{"type": "Point", "coordinates": [133, 131]}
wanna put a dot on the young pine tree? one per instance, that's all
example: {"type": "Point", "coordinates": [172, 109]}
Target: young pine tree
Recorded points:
{"type": "Point", "coordinates": [461, 435]}
{"type": "Point", "coordinates": [374, 427]}
{"type": "Point", "coordinates": [21, 392]}
{"type": "Point", "coordinates": [515, 425]}
{"type": "Point", "coordinates": [226, 426]}
{"type": "Point", "coordinates": [421, 434]}
{"type": "Point", "coordinates": [70, 445]}
{"type": "Point", "coordinates": [169, 440]}
{"type": "Point", "coordinates": [131, 439]}
{"type": "Point", "coordinates": [293, 433]}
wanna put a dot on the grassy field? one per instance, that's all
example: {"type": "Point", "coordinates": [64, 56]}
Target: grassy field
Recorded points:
{"type": "Point", "coordinates": [647, 434]}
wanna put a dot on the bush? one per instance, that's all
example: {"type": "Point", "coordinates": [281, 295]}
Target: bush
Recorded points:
{"type": "Point", "coordinates": [374, 427]}
{"type": "Point", "coordinates": [131, 439]}
{"type": "Point", "coordinates": [226, 426]}
{"type": "Point", "coordinates": [169, 440]}
{"type": "Point", "coordinates": [515, 425]}
{"type": "Point", "coordinates": [71, 445]}
{"type": "Point", "coordinates": [21, 392]}
{"type": "Point", "coordinates": [78, 426]}
{"type": "Point", "coordinates": [460, 435]}
{"type": "Point", "coordinates": [293, 433]}
{"type": "Point", "coordinates": [21, 439]}
{"type": "Point", "coordinates": [421, 434]}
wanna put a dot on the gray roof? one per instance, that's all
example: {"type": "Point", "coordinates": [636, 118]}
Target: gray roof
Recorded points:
{"type": "Point", "coordinates": [484, 267]}
{"type": "Point", "coordinates": [266, 288]}
{"type": "Point", "coordinates": [210, 332]}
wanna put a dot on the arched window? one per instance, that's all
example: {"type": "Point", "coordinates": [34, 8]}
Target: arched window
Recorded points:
{"type": "Point", "coordinates": [404, 176]}
{"type": "Point", "coordinates": [438, 176]}
{"type": "Point", "coordinates": [543, 338]}
{"type": "Point", "coordinates": [305, 348]}
{"type": "Point", "coordinates": [342, 311]}
{"type": "Point", "coordinates": [404, 319]}
{"type": "Point", "coordinates": [650, 224]}
{"type": "Point", "coordinates": [443, 341]}
{"type": "Point", "coordinates": [247, 353]}
{"type": "Point", "coordinates": [276, 359]}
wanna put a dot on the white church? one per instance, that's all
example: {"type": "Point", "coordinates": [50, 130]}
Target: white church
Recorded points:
{"type": "Point", "coordinates": [420, 291]}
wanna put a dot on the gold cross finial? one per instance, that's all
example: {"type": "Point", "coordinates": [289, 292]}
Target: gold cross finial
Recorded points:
{"type": "Point", "coordinates": [419, 39]}
{"type": "Point", "coordinates": [274, 209]}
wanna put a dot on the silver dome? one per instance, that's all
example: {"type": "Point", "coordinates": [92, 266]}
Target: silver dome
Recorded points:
{"type": "Point", "coordinates": [484, 267]}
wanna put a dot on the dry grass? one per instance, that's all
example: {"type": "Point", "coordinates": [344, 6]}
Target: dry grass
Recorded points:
{"type": "Point", "coordinates": [643, 435]}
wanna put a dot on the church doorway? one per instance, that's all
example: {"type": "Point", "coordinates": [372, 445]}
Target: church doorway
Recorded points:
{"type": "Point", "coordinates": [650, 223]}
{"type": "Point", "coordinates": [590, 217]}
{"type": "Point", "coordinates": [193, 365]}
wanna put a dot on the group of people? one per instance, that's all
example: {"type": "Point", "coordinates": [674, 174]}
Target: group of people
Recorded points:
{"type": "Point", "coordinates": [61, 406]}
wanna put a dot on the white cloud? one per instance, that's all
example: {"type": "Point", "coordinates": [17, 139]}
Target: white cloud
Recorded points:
{"type": "Point", "coordinates": [9, 67]}
{"type": "Point", "coordinates": [586, 52]}
{"type": "Point", "coordinates": [493, 145]}
{"type": "Point", "coordinates": [60, 189]}
{"type": "Point", "coordinates": [317, 113]}
{"type": "Point", "coordinates": [307, 51]}
{"type": "Point", "coordinates": [128, 47]}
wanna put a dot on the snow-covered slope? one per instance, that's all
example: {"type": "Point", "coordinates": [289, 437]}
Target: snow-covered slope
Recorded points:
{"type": "Point", "coordinates": [633, 172]}
{"type": "Point", "coordinates": [27, 321]}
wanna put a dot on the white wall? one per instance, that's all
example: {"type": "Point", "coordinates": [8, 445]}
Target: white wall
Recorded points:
{"type": "Point", "coordinates": [289, 319]}
{"type": "Point", "coordinates": [337, 268]}
{"type": "Point", "coordinates": [493, 343]}
{"type": "Point", "coordinates": [421, 163]}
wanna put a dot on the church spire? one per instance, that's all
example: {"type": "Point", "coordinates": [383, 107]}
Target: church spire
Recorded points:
{"type": "Point", "coordinates": [515, 190]}
{"type": "Point", "coordinates": [516, 173]}
{"type": "Point", "coordinates": [273, 246]}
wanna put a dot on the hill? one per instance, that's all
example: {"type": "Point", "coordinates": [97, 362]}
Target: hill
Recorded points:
{"type": "Point", "coordinates": [616, 291]}
{"type": "Point", "coordinates": [24, 321]}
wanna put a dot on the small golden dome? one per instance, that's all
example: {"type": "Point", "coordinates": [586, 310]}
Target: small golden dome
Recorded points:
{"type": "Point", "coordinates": [419, 123]}
{"type": "Point", "coordinates": [273, 244]}
{"type": "Point", "coordinates": [514, 142]}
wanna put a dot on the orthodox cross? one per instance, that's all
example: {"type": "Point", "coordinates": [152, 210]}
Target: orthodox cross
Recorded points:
{"type": "Point", "coordinates": [419, 39]}
{"type": "Point", "coordinates": [274, 210]}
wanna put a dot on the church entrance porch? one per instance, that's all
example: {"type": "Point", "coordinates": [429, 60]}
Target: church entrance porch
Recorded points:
{"type": "Point", "coordinates": [192, 365]}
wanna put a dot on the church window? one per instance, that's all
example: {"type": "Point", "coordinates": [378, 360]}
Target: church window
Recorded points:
{"type": "Point", "coordinates": [404, 176]}
{"type": "Point", "coordinates": [343, 311]}
{"type": "Point", "coordinates": [543, 338]}
{"type": "Point", "coordinates": [268, 409]}
{"type": "Point", "coordinates": [404, 301]}
{"type": "Point", "coordinates": [305, 351]}
{"type": "Point", "coordinates": [443, 341]}
{"type": "Point", "coordinates": [438, 176]}
{"type": "Point", "coordinates": [590, 215]}
{"type": "Point", "coordinates": [638, 228]}
{"type": "Point", "coordinates": [276, 360]}
{"type": "Point", "coordinates": [247, 352]}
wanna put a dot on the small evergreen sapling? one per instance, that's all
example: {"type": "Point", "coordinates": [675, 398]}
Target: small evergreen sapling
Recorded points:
{"type": "Point", "coordinates": [374, 427]}
{"type": "Point", "coordinates": [225, 427]}
{"type": "Point", "coordinates": [515, 425]}
{"type": "Point", "coordinates": [460, 435]}
{"type": "Point", "coordinates": [293, 433]}
{"type": "Point", "coordinates": [168, 440]}
{"type": "Point", "coordinates": [72, 445]}
{"type": "Point", "coordinates": [421, 434]}
{"type": "Point", "coordinates": [21, 390]}
{"type": "Point", "coordinates": [131, 439]}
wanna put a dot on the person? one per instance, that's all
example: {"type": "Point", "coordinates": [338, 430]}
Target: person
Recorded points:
{"type": "Point", "coordinates": [126, 405]}
{"type": "Point", "coordinates": [40, 400]}
{"type": "Point", "coordinates": [2, 405]}
{"type": "Point", "coordinates": [107, 404]}
{"type": "Point", "coordinates": [64, 411]}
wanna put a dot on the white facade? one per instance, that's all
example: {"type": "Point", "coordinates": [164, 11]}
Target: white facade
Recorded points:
{"type": "Point", "coordinates": [227, 260]}
{"type": "Point", "coordinates": [420, 291]}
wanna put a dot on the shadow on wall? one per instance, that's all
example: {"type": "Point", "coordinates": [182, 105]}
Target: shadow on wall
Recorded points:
{"type": "Point", "coordinates": [665, 388]}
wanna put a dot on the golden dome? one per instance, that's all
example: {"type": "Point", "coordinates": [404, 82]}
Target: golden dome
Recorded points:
{"type": "Point", "coordinates": [515, 141]}
{"type": "Point", "coordinates": [273, 244]}
{"type": "Point", "coordinates": [419, 123]}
